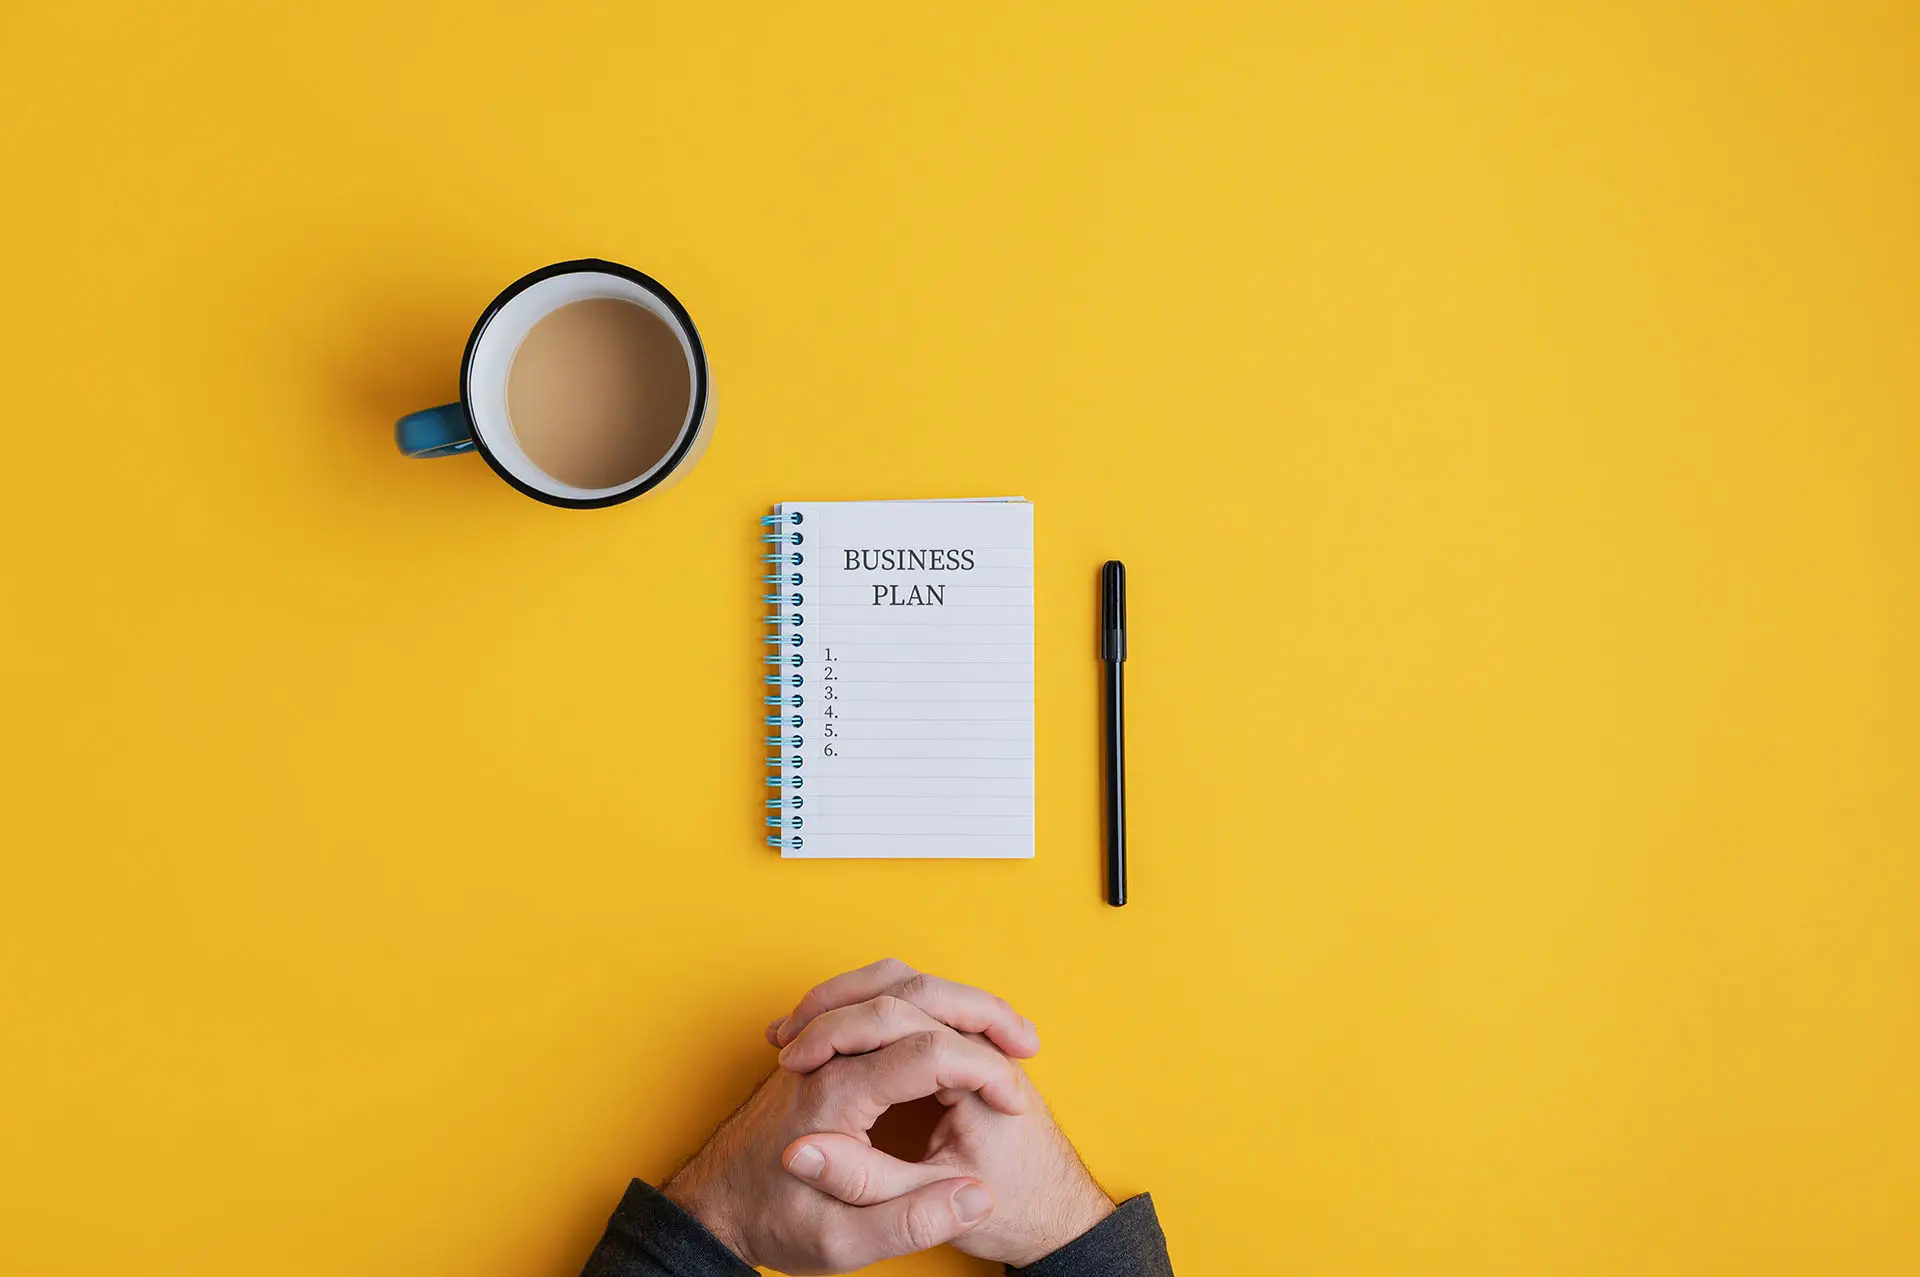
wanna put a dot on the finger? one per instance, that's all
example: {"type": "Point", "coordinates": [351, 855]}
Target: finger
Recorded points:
{"type": "Point", "coordinates": [855, 1172]}
{"type": "Point", "coordinates": [922, 1064]}
{"type": "Point", "coordinates": [971, 1010]}
{"type": "Point", "coordinates": [773, 1031]}
{"type": "Point", "coordinates": [959, 1006]}
{"type": "Point", "coordinates": [915, 1221]}
{"type": "Point", "coordinates": [844, 989]}
{"type": "Point", "coordinates": [855, 1030]}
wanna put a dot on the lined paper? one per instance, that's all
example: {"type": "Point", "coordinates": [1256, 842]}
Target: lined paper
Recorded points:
{"type": "Point", "coordinates": [917, 693]}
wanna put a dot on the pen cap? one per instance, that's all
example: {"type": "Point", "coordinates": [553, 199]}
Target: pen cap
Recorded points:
{"type": "Point", "coordinates": [1113, 611]}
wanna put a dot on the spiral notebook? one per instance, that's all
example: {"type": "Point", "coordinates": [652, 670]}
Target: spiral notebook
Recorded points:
{"type": "Point", "coordinates": [899, 705]}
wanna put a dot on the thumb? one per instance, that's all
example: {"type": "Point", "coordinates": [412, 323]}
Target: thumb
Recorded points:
{"type": "Point", "coordinates": [855, 1171]}
{"type": "Point", "coordinates": [919, 1220]}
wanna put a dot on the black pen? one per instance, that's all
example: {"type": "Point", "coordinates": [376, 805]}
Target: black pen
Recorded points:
{"type": "Point", "coordinates": [1113, 651]}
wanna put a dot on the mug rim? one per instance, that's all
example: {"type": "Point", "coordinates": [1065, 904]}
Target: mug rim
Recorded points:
{"type": "Point", "coordinates": [696, 409]}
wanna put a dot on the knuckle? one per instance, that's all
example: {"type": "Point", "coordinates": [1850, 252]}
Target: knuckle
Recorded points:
{"type": "Point", "coordinates": [887, 1009]}
{"type": "Point", "coordinates": [922, 1227]}
{"type": "Point", "coordinates": [892, 968]}
{"type": "Point", "coordinates": [857, 1183]}
{"type": "Point", "coordinates": [839, 1252]}
{"type": "Point", "coordinates": [915, 988]}
{"type": "Point", "coordinates": [928, 1044]}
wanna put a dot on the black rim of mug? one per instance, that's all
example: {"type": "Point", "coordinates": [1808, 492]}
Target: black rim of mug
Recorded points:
{"type": "Point", "coordinates": [592, 265]}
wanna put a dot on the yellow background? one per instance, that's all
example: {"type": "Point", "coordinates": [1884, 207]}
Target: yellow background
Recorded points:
{"type": "Point", "coordinates": [1507, 412]}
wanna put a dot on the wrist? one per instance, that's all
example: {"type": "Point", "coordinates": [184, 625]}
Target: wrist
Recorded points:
{"type": "Point", "coordinates": [703, 1197]}
{"type": "Point", "coordinates": [1072, 1219]}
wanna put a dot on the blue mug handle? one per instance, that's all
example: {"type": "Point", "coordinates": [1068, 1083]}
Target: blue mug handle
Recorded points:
{"type": "Point", "coordinates": [436, 432]}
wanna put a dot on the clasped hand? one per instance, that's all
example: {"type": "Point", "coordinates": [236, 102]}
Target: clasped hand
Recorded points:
{"type": "Point", "coordinates": [792, 1181]}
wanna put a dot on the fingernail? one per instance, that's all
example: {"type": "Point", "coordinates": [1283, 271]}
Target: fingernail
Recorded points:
{"type": "Point", "coordinates": [808, 1162]}
{"type": "Point", "coordinates": [773, 1027]}
{"type": "Point", "coordinates": [971, 1203]}
{"type": "Point", "coordinates": [1033, 1034]}
{"type": "Point", "coordinates": [786, 1027]}
{"type": "Point", "coordinates": [785, 1051]}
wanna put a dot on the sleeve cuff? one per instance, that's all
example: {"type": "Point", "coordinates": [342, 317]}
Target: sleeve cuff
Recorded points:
{"type": "Point", "coordinates": [1127, 1243]}
{"type": "Point", "coordinates": [649, 1236]}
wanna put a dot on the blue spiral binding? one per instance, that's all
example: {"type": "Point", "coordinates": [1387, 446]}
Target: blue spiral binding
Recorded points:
{"type": "Point", "coordinates": [781, 594]}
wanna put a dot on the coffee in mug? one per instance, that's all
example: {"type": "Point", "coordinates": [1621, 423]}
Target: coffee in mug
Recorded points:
{"type": "Point", "coordinates": [597, 392]}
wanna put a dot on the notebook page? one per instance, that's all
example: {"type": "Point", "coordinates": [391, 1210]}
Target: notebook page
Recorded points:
{"type": "Point", "coordinates": [916, 629]}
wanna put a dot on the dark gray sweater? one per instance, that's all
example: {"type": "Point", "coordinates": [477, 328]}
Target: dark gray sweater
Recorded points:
{"type": "Point", "coordinates": [649, 1236]}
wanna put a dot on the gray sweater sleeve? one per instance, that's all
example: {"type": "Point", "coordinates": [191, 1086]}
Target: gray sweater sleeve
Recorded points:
{"type": "Point", "coordinates": [649, 1236]}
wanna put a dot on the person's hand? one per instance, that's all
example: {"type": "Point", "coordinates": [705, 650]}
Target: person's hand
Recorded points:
{"type": "Point", "coordinates": [957, 1006]}
{"type": "Point", "coordinates": [1044, 1195]}
{"type": "Point", "coordinates": [737, 1188]}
